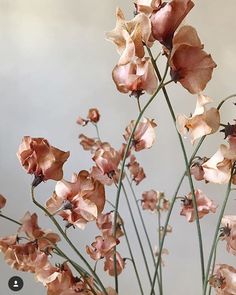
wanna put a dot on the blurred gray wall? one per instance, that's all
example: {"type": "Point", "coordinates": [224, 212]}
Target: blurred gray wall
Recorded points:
{"type": "Point", "coordinates": [54, 65]}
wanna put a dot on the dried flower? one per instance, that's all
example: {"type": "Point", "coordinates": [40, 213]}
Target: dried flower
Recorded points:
{"type": "Point", "coordinates": [144, 135]}
{"type": "Point", "coordinates": [167, 18]}
{"type": "Point", "coordinates": [109, 264]}
{"type": "Point", "coordinates": [224, 280]}
{"type": "Point", "coordinates": [204, 206]}
{"type": "Point", "coordinates": [190, 64]}
{"type": "Point", "coordinates": [105, 224]}
{"type": "Point", "coordinates": [39, 158]}
{"type": "Point", "coordinates": [136, 171]}
{"type": "Point", "coordinates": [202, 122]}
{"type": "Point", "coordinates": [129, 36]}
{"type": "Point", "coordinates": [228, 232]}
{"type": "Point", "coordinates": [78, 201]}
{"type": "Point", "coordinates": [101, 247]}
{"type": "Point", "coordinates": [136, 76]}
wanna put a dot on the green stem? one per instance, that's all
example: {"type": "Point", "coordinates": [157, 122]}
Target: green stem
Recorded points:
{"type": "Point", "coordinates": [213, 263]}
{"type": "Point", "coordinates": [187, 168]}
{"type": "Point", "coordinates": [141, 218]}
{"type": "Point", "coordinates": [10, 219]}
{"type": "Point", "coordinates": [159, 246]}
{"type": "Point", "coordinates": [67, 240]}
{"type": "Point", "coordinates": [214, 243]}
{"type": "Point", "coordinates": [133, 261]}
{"type": "Point", "coordinates": [224, 100]}
{"type": "Point", "coordinates": [137, 234]}
{"type": "Point", "coordinates": [129, 142]}
{"type": "Point", "coordinates": [97, 130]}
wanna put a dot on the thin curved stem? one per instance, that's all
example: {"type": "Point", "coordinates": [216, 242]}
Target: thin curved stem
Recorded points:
{"type": "Point", "coordinates": [10, 219]}
{"type": "Point", "coordinates": [124, 160]}
{"type": "Point", "coordinates": [159, 246]}
{"type": "Point", "coordinates": [213, 264]}
{"type": "Point", "coordinates": [228, 190]}
{"type": "Point", "coordinates": [224, 100]}
{"type": "Point", "coordinates": [137, 234]}
{"type": "Point", "coordinates": [96, 277]}
{"type": "Point", "coordinates": [187, 167]}
{"type": "Point", "coordinates": [133, 261]}
{"type": "Point", "coordinates": [141, 218]}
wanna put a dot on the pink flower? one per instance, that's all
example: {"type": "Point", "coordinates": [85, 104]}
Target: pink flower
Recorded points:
{"type": "Point", "coordinates": [93, 117]}
{"type": "Point", "coordinates": [136, 171]}
{"type": "Point", "coordinates": [228, 232]}
{"type": "Point", "coordinates": [41, 159]}
{"type": "Point", "coordinates": [105, 224]}
{"type": "Point", "coordinates": [101, 247]}
{"type": "Point", "coordinates": [2, 201]}
{"type": "Point", "coordinates": [144, 135]}
{"type": "Point", "coordinates": [204, 206]}
{"type": "Point", "coordinates": [190, 65]}
{"type": "Point", "coordinates": [109, 264]}
{"type": "Point", "coordinates": [166, 19]}
{"type": "Point", "coordinates": [136, 76]}
{"type": "Point", "coordinates": [79, 201]}
{"type": "Point", "coordinates": [202, 122]}
{"type": "Point", "coordinates": [45, 238]}
{"type": "Point", "coordinates": [129, 36]}
{"type": "Point", "coordinates": [224, 280]}
{"type": "Point", "coordinates": [196, 168]}
{"type": "Point", "coordinates": [89, 144]}
{"type": "Point", "coordinates": [149, 200]}
{"type": "Point", "coordinates": [147, 6]}
{"type": "Point", "coordinates": [107, 160]}
{"type": "Point", "coordinates": [218, 168]}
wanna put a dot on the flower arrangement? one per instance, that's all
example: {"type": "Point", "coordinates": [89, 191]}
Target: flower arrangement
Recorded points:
{"type": "Point", "coordinates": [75, 203]}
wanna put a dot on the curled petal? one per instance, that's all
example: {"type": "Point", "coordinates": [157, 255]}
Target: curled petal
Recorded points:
{"type": "Point", "coordinates": [2, 201]}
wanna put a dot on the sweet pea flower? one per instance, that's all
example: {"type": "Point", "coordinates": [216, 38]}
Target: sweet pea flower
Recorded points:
{"type": "Point", "coordinates": [204, 206]}
{"type": "Point", "coordinates": [39, 158]}
{"type": "Point", "coordinates": [167, 18]}
{"type": "Point", "coordinates": [109, 264]}
{"type": "Point", "coordinates": [218, 168]}
{"type": "Point", "coordinates": [105, 223]}
{"type": "Point", "coordinates": [101, 247]}
{"type": "Point", "coordinates": [149, 200]}
{"type": "Point", "coordinates": [136, 171]}
{"type": "Point", "coordinates": [147, 6]}
{"type": "Point", "coordinates": [45, 238]}
{"type": "Point", "coordinates": [196, 168]}
{"type": "Point", "coordinates": [93, 117]}
{"type": "Point", "coordinates": [144, 135]}
{"type": "Point", "coordinates": [202, 122]}
{"type": "Point", "coordinates": [224, 280]}
{"type": "Point", "coordinates": [89, 144]}
{"type": "Point", "coordinates": [228, 232]}
{"type": "Point", "coordinates": [2, 201]}
{"type": "Point", "coordinates": [107, 160]}
{"type": "Point", "coordinates": [78, 201]}
{"type": "Point", "coordinates": [129, 36]}
{"type": "Point", "coordinates": [190, 64]}
{"type": "Point", "coordinates": [136, 76]}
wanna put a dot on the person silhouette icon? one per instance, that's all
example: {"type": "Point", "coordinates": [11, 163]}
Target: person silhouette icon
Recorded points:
{"type": "Point", "coordinates": [15, 283]}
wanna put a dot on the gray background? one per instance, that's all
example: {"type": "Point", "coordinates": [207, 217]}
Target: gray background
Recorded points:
{"type": "Point", "coordinates": [54, 65]}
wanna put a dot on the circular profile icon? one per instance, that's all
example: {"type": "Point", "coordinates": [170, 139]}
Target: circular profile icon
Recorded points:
{"type": "Point", "coordinates": [15, 283]}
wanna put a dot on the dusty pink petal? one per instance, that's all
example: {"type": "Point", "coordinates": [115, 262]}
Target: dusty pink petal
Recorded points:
{"type": "Point", "coordinates": [204, 206]}
{"type": "Point", "coordinates": [2, 201]}
{"type": "Point", "coordinates": [218, 169]}
{"type": "Point", "coordinates": [224, 280]}
{"type": "Point", "coordinates": [167, 18]}
{"type": "Point", "coordinates": [196, 168]}
{"type": "Point", "coordinates": [136, 76]}
{"type": "Point", "coordinates": [149, 200]}
{"type": "Point", "coordinates": [228, 232]}
{"type": "Point", "coordinates": [190, 65]}
{"type": "Point", "coordinates": [101, 247]}
{"type": "Point", "coordinates": [41, 159]}
{"type": "Point", "coordinates": [89, 144]}
{"type": "Point", "coordinates": [109, 264]}
{"type": "Point", "coordinates": [93, 115]}
{"type": "Point", "coordinates": [144, 135]}
{"type": "Point", "coordinates": [201, 123]}
{"type": "Point", "coordinates": [105, 224]}
{"type": "Point", "coordinates": [129, 36]}
{"type": "Point", "coordinates": [82, 121]}
{"type": "Point", "coordinates": [147, 6]}
{"type": "Point", "coordinates": [136, 171]}
{"type": "Point", "coordinates": [87, 209]}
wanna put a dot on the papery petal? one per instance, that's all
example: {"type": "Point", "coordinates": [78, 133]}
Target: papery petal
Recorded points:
{"type": "Point", "coordinates": [3, 201]}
